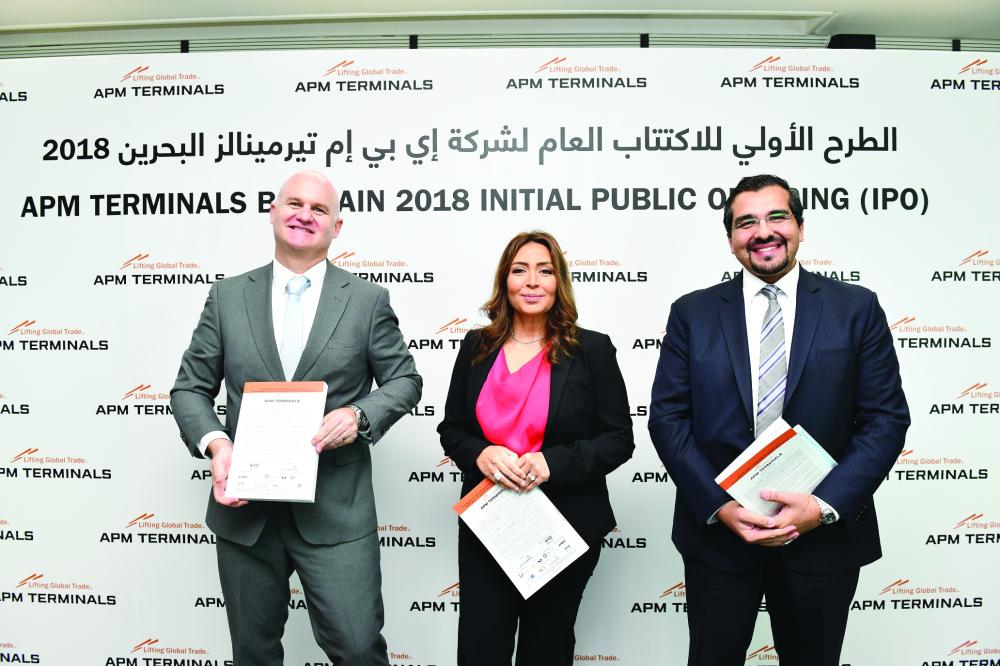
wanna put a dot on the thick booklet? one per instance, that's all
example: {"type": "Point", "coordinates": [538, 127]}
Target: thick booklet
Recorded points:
{"type": "Point", "coordinates": [273, 456]}
{"type": "Point", "coordinates": [782, 458]}
{"type": "Point", "coordinates": [524, 532]}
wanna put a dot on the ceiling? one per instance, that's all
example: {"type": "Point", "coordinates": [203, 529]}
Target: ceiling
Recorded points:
{"type": "Point", "coordinates": [41, 21]}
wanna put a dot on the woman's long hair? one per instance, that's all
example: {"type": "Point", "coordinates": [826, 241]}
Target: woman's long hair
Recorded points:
{"type": "Point", "coordinates": [561, 332]}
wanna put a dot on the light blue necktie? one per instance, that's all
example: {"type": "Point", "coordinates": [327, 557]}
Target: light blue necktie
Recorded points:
{"type": "Point", "coordinates": [291, 338]}
{"type": "Point", "coordinates": [772, 369]}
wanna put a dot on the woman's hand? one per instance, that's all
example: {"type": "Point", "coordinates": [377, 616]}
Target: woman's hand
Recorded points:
{"type": "Point", "coordinates": [534, 468]}
{"type": "Point", "coordinates": [500, 464]}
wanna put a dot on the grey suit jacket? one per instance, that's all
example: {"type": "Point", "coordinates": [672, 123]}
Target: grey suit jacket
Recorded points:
{"type": "Point", "coordinates": [354, 340]}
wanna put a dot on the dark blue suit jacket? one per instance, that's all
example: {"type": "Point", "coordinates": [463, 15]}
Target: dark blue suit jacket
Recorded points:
{"type": "Point", "coordinates": [843, 387]}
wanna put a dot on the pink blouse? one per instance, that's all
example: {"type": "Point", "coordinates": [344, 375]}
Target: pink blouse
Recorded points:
{"type": "Point", "coordinates": [513, 409]}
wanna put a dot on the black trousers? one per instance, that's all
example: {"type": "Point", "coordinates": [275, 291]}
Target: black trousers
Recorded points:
{"type": "Point", "coordinates": [808, 613]}
{"type": "Point", "coordinates": [491, 610]}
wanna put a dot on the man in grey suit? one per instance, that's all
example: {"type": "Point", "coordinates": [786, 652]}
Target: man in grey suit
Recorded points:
{"type": "Point", "coordinates": [300, 318]}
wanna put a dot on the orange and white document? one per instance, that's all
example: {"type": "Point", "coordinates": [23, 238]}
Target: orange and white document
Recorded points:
{"type": "Point", "coordinates": [784, 459]}
{"type": "Point", "coordinates": [524, 532]}
{"type": "Point", "coordinates": [273, 457]}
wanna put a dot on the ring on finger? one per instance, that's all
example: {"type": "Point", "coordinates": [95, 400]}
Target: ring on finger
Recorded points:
{"type": "Point", "coordinates": [497, 476]}
{"type": "Point", "coordinates": [531, 477]}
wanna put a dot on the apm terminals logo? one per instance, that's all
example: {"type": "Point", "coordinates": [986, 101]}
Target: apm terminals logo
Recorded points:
{"type": "Point", "coordinates": [827, 268]}
{"type": "Point", "coordinates": [350, 76]}
{"type": "Point", "coordinates": [911, 467]}
{"type": "Point", "coordinates": [142, 270]}
{"type": "Point", "coordinates": [904, 596]}
{"type": "Point", "coordinates": [565, 75]}
{"type": "Point", "coordinates": [972, 653]}
{"type": "Point", "coordinates": [28, 465]}
{"type": "Point", "coordinates": [975, 267]}
{"type": "Point", "coordinates": [603, 270]}
{"type": "Point", "coordinates": [454, 329]}
{"type": "Point", "coordinates": [142, 528]}
{"type": "Point", "coordinates": [402, 536]}
{"type": "Point", "coordinates": [37, 589]}
{"type": "Point", "coordinates": [444, 472]}
{"type": "Point", "coordinates": [976, 399]}
{"type": "Point", "coordinates": [382, 270]}
{"type": "Point", "coordinates": [974, 76]}
{"type": "Point", "coordinates": [911, 335]}
{"type": "Point", "coordinates": [32, 338]}
{"type": "Point", "coordinates": [145, 82]}
{"type": "Point", "coordinates": [976, 529]}
{"type": "Point", "coordinates": [151, 652]}
{"type": "Point", "coordinates": [776, 72]}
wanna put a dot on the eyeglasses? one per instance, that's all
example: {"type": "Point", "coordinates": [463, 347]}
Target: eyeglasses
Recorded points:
{"type": "Point", "coordinates": [749, 221]}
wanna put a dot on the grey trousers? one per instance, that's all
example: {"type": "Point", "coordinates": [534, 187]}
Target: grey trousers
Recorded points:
{"type": "Point", "coordinates": [342, 586]}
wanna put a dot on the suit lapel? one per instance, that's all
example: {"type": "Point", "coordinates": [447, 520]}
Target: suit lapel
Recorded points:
{"type": "Point", "coordinates": [257, 295]}
{"type": "Point", "coordinates": [332, 303]}
{"type": "Point", "coordinates": [732, 316]}
{"type": "Point", "coordinates": [807, 309]}
{"type": "Point", "coordinates": [557, 382]}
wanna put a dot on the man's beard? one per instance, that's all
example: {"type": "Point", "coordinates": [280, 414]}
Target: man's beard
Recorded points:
{"type": "Point", "coordinates": [770, 268]}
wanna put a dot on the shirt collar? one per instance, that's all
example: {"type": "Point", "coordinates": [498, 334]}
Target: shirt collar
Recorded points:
{"type": "Point", "coordinates": [788, 284]}
{"type": "Point", "coordinates": [281, 274]}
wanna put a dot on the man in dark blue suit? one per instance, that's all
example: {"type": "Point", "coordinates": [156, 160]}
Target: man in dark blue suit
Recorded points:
{"type": "Point", "coordinates": [722, 377]}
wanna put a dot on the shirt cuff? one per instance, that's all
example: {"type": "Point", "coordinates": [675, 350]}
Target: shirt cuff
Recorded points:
{"type": "Point", "coordinates": [203, 444]}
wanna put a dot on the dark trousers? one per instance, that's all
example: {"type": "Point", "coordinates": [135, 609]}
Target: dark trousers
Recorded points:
{"type": "Point", "coordinates": [808, 613]}
{"type": "Point", "coordinates": [491, 610]}
{"type": "Point", "coordinates": [342, 586]}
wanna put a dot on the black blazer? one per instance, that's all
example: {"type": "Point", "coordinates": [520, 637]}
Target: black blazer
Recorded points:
{"type": "Point", "coordinates": [588, 433]}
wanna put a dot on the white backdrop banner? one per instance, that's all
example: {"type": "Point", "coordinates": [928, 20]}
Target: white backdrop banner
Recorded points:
{"type": "Point", "coordinates": [131, 183]}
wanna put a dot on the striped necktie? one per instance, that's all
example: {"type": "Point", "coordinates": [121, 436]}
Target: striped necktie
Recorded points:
{"type": "Point", "coordinates": [772, 369]}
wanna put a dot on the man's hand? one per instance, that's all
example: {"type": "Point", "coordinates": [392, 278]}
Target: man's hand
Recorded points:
{"type": "Point", "coordinates": [755, 528]}
{"type": "Point", "coordinates": [339, 427]}
{"type": "Point", "coordinates": [799, 511]}
{"type": "Point", "coordinates": [536, 470]}
{"type": "Point", "coordinates": [499, 464]}
{"type": "Point", "coordinates": [221, 450]}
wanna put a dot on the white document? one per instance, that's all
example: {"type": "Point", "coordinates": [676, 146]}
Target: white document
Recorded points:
{"type": "Point", "coordinates": [273, 457]}
{"type": "Point", "coordinates": [524, 532]}
{"type": "Point", "coordinates": [784, 459]}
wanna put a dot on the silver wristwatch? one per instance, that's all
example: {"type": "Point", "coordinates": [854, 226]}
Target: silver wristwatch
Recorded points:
{"type": "Point", "coordinates": [363, 424]}
{"type": "Point", "coordinates": [826, 513]}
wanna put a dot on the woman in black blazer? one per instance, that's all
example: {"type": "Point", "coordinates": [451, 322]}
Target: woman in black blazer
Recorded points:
{"type": "Point", "coordinates": [585, 433]}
